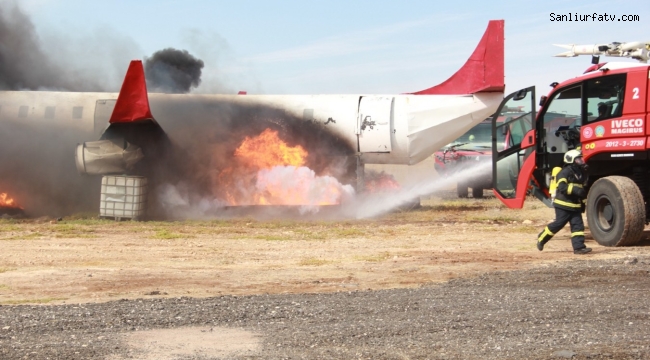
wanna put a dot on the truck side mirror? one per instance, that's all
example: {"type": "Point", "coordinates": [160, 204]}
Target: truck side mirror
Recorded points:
{"type": "Point", "coordinates": [542, 100]}
{"type": "Point", "coordinates": [520, 95]}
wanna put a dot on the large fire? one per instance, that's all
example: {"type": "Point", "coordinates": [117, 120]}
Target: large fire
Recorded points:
{"type": "Point", "coordinates": [267, 171]}
{"type": "Point", "coordinates": [6, 201]}
{"type": "Point", "coordinates": [267, 150]}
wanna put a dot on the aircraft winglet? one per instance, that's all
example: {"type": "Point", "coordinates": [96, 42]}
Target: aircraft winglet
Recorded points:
{"type": "Point", "coordinates": [132, 103]}
{"type": "Point", "coordinates": [482, 72]}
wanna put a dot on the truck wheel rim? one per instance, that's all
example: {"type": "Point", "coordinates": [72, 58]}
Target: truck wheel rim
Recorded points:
{"type": "Point", "coordinates": [605, 215]}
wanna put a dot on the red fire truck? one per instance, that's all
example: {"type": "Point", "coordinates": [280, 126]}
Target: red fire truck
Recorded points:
{"type": "Point", "coordinates": [470, 151]}
{"type": "Point", "coordinates": [604, 113]}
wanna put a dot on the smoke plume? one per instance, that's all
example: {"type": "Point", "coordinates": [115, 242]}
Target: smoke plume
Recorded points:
{"type": "Point", "coordinates": [172, 71]}
{"type": "Point", "coordinates": [24, 65]}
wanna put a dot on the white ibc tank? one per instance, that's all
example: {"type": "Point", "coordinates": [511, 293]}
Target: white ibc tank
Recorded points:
{"type": "Point", "coordinates": [123, 197]}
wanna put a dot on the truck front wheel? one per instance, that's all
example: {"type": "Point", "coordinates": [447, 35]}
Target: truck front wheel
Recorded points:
{"type": "Point", "coordinates": [615, 211]}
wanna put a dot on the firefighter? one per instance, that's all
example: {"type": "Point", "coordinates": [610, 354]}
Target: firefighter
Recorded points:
{"type": "Point", "coordinates": [569, 203]}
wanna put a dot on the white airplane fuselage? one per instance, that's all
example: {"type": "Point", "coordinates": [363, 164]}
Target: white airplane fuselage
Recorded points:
{"type": "Point", "coordinates": [398, 129]}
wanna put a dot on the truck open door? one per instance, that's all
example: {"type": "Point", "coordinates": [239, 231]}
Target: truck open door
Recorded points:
{"type": "Point", "coordinates": [513, 151]}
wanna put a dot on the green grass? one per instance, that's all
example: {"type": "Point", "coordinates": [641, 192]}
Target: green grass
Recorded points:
{"type": "Point", "coordinates": [3, 269]}
{"type": "Point", "coordinates": [31, 301]}
{"type": "Point", "coordinates": [348, 232]}
{"type": "Point", "coordinates": [527, 229]}
{"type": "Point", "coordinates": [30, 236]}
{"type": "Point", "coordinates": [75, 236]}
{"type": "Point", "coordinates": [313, 262]}
{"type": "Point", "coordinates": [165, 234]}
{"type": "Point", "coordinates": [495, 218]}
{"type": "Point", "coordinates": [9, 227]}
{"type": "Point", "coordinates": [271, 237]}
{"type": "Point", "coordinates": [67, 230]}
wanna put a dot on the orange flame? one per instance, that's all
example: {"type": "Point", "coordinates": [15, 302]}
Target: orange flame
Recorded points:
{"type": "Point", "coordinates": [6, 201]}
{"type": "Point", "coordinates": [267, 171]}
{"type": "Point", "coordinates": [267, 150]}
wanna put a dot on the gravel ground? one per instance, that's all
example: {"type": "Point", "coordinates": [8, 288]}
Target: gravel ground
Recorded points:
{"type": "Point", "coordinates": [582, 309]}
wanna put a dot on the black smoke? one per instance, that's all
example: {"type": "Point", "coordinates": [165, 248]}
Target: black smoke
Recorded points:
{"type": "Point", "coordinates": [172, 71]}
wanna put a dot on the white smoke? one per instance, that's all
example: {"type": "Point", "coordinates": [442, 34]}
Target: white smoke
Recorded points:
{"type": "Point", "coordinates": [179, 201]}
{"type": "Point", "coordinates": [280, 185]}
{"type": "Point", "coordinates": [372, 205]}
{"type": "Point", "coordinates": [300, 186]}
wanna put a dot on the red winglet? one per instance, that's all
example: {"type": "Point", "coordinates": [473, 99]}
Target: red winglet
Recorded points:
{"type": "Point", "coordinates": [483, 71]}
{"type": "Point", "coordinates": [132, 103]}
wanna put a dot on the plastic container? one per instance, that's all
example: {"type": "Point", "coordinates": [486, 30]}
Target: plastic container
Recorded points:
{"type": "Point", "coordinates": [123, 197]}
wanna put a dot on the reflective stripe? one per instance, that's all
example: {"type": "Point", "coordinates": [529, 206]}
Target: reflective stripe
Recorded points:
{"type": "Point", "coordinates": [566, 203]}
{"type": "Point", "coordinates": [561, 180]}
{"type": "Point", "coordinates": [544, 233]}
{"type": "Point", "coordinates": [578, 233]}
{"type": "Point", "coordinates": [571, 186]}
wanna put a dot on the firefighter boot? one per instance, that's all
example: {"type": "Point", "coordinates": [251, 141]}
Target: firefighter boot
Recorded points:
{"type": "Point", "coordinates": [582, 251]}
{"type": "Point", "coordinates": [543, 238]}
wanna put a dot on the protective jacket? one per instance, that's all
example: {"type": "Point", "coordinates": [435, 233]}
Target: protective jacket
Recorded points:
{"type": "Point", "coordinates": [570, 193]}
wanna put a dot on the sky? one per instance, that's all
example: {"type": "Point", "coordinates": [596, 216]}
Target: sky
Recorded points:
{"type": "Point", "coordinates": [327, 46]}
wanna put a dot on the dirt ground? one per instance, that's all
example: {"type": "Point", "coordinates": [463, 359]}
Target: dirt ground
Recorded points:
{"type": "Point", "coordinates": [86, 260]}
{"type": "Point", "coordinates": [124, 290]}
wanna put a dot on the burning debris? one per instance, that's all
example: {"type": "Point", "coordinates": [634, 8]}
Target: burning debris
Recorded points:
{"type": "Point", "coordinates": [173, 71]}
{"type": "Point", "coordinates": [8, 206]}
{"type": "Point", "coordinates": [6, 201]}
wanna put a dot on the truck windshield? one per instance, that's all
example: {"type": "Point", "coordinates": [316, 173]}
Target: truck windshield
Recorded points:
{"type": "Point", "coordinates": [478, 137]}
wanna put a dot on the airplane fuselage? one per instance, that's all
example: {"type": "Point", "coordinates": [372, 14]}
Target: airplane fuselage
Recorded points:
{"type": "Point", "coordinates": [384, 129]}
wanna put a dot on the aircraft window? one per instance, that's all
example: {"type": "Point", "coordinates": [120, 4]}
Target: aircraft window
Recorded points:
{"type": "Point", "coordinates": [23, 111]}
{"type": "Point", "coordinates": [605, 97]}
{"type": "Point", "coordinates": [77, 112]}
{"type": "Point", "coordinates": [49, 112]}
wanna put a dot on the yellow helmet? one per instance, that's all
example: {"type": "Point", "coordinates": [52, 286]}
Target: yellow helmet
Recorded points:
{"type": "Point", "coordinates": [571, 156]}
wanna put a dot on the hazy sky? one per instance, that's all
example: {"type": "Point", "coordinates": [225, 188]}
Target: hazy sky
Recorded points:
{"type": "Point", "coordinates": [328, 46]}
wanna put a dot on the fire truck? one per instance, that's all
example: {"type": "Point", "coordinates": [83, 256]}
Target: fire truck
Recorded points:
{"type": "Point", "coordinates": [470, 151]}
{"type": "Point", "coordinates": [604, 113]}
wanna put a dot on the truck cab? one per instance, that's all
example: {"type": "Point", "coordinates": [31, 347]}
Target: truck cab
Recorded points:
{"type": "Point", "coordinates": [603, 113]}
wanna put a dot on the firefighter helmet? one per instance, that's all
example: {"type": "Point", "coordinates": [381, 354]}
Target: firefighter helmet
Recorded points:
{"type": "Point", "coordinates": [573, 157]}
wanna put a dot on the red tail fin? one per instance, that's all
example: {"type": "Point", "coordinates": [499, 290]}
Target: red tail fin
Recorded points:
{"type": "Point", "coordinates": [132, 103]}
{"type": "Point", "coordinates": [483, 71]}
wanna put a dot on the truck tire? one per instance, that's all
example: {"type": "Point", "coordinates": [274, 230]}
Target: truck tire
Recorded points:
{"type": "Point", "coordinates": [477, 192]}
{"type": "Point", "coordinates": [462, 190]}
{"type": "Point", "coordinates": [615, 211]}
